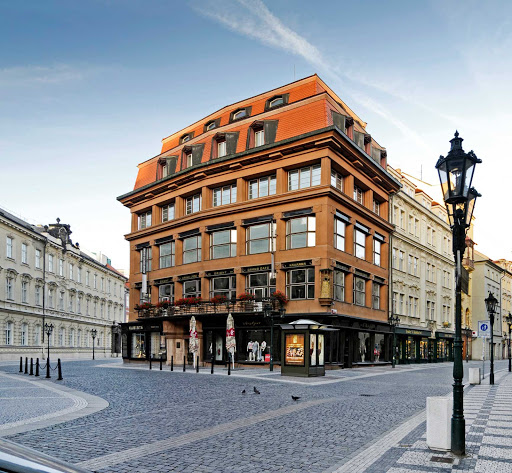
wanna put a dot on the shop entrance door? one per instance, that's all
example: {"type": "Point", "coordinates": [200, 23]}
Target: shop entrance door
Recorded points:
{"type": "Point", "coordinates": [219, 347]}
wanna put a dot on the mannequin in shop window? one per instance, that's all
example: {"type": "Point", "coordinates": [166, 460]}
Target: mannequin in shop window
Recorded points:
{"type": "Point", "coordinates": [256, 350]}
{"type": "Point", "coordinates": [263, 347]}
{"type": "Point", "coordinates": [250, 347]}
{"type": "Point", "coordinates": [362, 349]}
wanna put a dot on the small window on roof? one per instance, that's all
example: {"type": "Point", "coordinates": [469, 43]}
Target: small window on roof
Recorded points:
{"type": "Point", "coordinates": [211, 126]}
{"type": "Point", "coordinates": [185, 138]}
{"type": "Point", "coordinates": [275, 102]}
{"type": "Point", "coordinates": [239, 114]}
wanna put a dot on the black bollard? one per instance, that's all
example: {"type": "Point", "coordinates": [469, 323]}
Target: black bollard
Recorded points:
{"type": "Point", "coordinates": [184, 364]}
{"type": "Point", "coordinates": [59, 369]}
{"type": "Point", "coordinates": [48, 368]}
{"type": "Point", "coordinates": [37, 366]}
{"type": "Point", "coordinates": [26, 365]}
{"type": "Point", "coordinates": [197, 364]}
{"type": "Point", "coordinates": [31, 367]}
{"type": "Point", "coordinates": [150, 363]}
{"type": "Point", "coordinates": [172, 362]}
{"type": "Point", "coordinates": [161, 359]}
{"type": "Point", "coordinates": [229, 367]}
{"type": "Point", "coordinates": [21, 364]}
{"type": "Point", "coordinates": [213, 362]}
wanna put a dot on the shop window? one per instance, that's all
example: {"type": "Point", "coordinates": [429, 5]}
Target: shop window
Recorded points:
{"type": "Point", "coordinates": [316, 349]}
{"type": "Point", "coordinates": [193, 204]}
{"type": "Point", "coordinates": [168, 212]}
{"type": "Point", "coordinates": [138, 345]}
{"type": "Point", "coordinates": [167, 254]}
{"type": "Point", "coordinates": [359, 244]}
{"type": "Point", "coordinates": [166, 292]}
{"type": "Point", "coordinates": [259, 285]}
{"type": "Point", "coordinates": [304, 177]}
{"type": "Point", "coordinates": [260, 238]}
{"type": "Point", "coordinates": [223, 286]}
{"type": "Point", "coordinates": [192, 249]}
{"type": "Point", "coordinates": [223, 244]}
{"type": "Point", "coordinates": [359, 291]}
{"type": "Point", "coordinates": [337, 180]}
{"type": "Point", "coordinates": [192, 288]}
{"type": "Point", "coordinates": [300, 284]}
{"type": "Point", "coordinates": [262, 187]}
{"type": "Point", "coordinates": [376, 295]}
{"type": "Point", "coordinates": [144, 219]}
{"type": "Point", "coordinates": [300, 232]}
{"type": "Point", "coordinates": [339, 286]}
{"type": "Point", "coordinates": [224, 195]}
{"type": "Point", "coordinates": [294, 349]}
{"type": "Point", "coordinates": [145, 259]}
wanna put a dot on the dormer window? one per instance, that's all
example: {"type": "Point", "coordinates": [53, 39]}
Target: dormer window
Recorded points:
{"type": "Point", "coordinates": [261, 133]}
{"type": "Point", "coordinates": [188, 158]}
{"type": "Point", "coordinates": [276, 101]}
{"type": "Point", "coordinates": [221, 148]}
{"type": "Point", "coordinates": [259, 137]}
{"type": "Point", "coordinates": [240, 113]}
{"type": "Point", "coordinates": [210, 126]}
{"type": "Point", "coordinates": [186, 137]}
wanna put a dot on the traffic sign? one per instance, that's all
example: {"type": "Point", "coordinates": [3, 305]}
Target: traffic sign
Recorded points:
{"type": "Point", "coordinates": [484, 329]}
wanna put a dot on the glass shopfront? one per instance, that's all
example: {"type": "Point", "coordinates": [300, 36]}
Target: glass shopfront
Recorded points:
{"type": "Point", "coordinates": [442, 350]}
{"type": "Point", "coordinates": [138, 345]}
{"type": "Point", "coordinates": [255, 345]}
{"type": "Point", "coordinates": [411, 349]}
{"type": "Point", "coordinates": [424, 350]}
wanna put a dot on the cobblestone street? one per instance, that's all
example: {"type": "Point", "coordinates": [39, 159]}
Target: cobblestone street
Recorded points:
{"type": "Point", "coordinates": [175, 421]}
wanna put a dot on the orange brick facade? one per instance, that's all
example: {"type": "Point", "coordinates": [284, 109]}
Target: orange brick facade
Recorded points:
{"type": "Point", "coordinates": [327, 213]}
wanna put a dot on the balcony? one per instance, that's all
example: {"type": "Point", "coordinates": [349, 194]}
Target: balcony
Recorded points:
{"type": "Point", "coordinates": [468, 263]}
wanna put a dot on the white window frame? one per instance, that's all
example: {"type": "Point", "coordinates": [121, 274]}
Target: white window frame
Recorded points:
{"type": "Point", "coordinates": [309, 232]}
{"type": "Point", "coordinates": [305, 177]}
{"type": "Point", "coordinates": [9, 247]}
{"type": "Point", "coordinates": [262, 187]}
{"type": "Point", "coordinates": [24, 253]}
{"type": "Point", "coordinates": [224, 195]}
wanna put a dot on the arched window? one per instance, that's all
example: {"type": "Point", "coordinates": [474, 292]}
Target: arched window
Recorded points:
{"type": "Point", "coordinates": [239, 114]}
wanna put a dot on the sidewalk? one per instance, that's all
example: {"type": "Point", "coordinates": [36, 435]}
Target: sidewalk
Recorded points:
{"type": "Point", "coordinates": [488, 414]}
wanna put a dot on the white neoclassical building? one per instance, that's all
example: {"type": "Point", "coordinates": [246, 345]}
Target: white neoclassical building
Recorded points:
{"type": "Point", "coordinates": [46, 279]}
{"type": "Point", "coordinates": [422, 275]}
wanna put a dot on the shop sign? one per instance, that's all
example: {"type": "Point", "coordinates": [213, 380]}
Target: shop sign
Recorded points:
{"type": "Point", "coordinates": [221, 272]}
{"type": "Point", "coordinates": [444, 335]}
{"type": "Point", "coordinates": [162, 281]}
{"type": "Point", "coordinates": [296, 264]}
{"type": "Point", "coordinates": [256, 269]}
{"type": "Point", "coordinates": [410, 331]}
{"type": "Point", "coordinates": [187, 277]}
{"type": "Point", "coordinates": [136, 327]}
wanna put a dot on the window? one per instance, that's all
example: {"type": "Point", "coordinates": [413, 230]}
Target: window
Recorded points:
{"type": "Point", "coordinates": [359, 291]}
{"type": "Point", "coordinates": [168, 212]}
{"type": "Point", "coordinates": [339, 285]}
{"type": "Point", "coordinates": [24, 291]}
{"type": "Point", "coordinates": [95, 281]}
{"type": "Point", "coordinates": [395, 299]}
{"type": "Point", "coordinates": [402, 219]}
{"type": "Point", "coordinates": [87, 275]}
{"type": "Point", "coordinates": [166, 292]}
{"type": "Point", "coordinates": [38, 259]}
{"type": "Point", "coordinates": [167, 253]}
{"type": "Point", "coordinates": [211, 125]}
{"type": "Point", "coordinates": [259, 238]}
{"type": "Point", "coordinates": [239, 114]}
{"type": "Point", "coordinates": [102, 284]}
{"type": "Point", "coordinates": [300, 232]}
{"type": "Point", "coordinates": [144, 220]}
{"type": "Point", "coordinates": [61, 300]}
{"type": "Point", "coordinates": [8, 249]}
{"type": "Point", "coordinates": [259, 137]}
{"type": "Point", "coordinates": [192, 288]}
{"type": "Point", "coordinates": [71, 302]}
{"type": "Point", "coordinates": [72, 337]}
{"type": "Point", "coordinates": [300, 284]}
{"type": "Point", "coordinates": [61, 337]}
{"type": "Point", "coordinates": [193, 204]}
{"type": "Point", "coordinates": [24, 255]}
{"type": "Point", "coordinates": [376, 207]}
{"type": "Point", "coordinates": [8, 333]}
{"type": "Point", "coordinates": [50, 263]}
{"type": "Point", "coordinates": [339, 233]}
{"type": "Point", "coordinates": [395, 258]}
{"type": "Point", "coordinates": [401, 304]}
{"type": "Point", "coordinates": [71, 268]}
{"type": "Point", "coordinates": [221, 148]}
{"type": "Point", "coordinates": [259, 284]}
{"type": "Point", "coordinates": [61, 267]}
{"type": "Point", "coordinates": [145, 259]}
{"type": "Point", "coordinates": [411, 224]}
{"type": "Point", "coordinates": [416, 264]}
{"type": "Point", "coordinates": [24, 334]}
{"type": "Point", "coordinates": [223, 244]}
{"type": "Point", "coordinates": [79, 304]}
{"type": "Point", "coordinates": [359, 244]}
{"type": "Point", "coordinates": [401, 256]}
{"type": "Point", "coordinates": [377, 248]}
{"type": "Point", "coordinates": [276, 102]}
{"type": "Point", "coordinates": [223, 286]}
{"type": "Point", "coordinates": [376, 295]}
{"type": "Point", "coordinates": [358, 194]}
{"type": "Point", "coordinates": [9, 289]}
{"type": "Point", "coordinates": [337, 180]}
{"type": "Point", "coordinates": [410, 264]}
{"type": "Point", "coordinates": [37, 295]}
{"type": "Point", "coordinates": [50, 298]}
{"type": "Point", "coordinates": [192, 249]}
{"type": "Point", "coordinates": [79, 275]}
{"type": "Point", "coordinates": [304, 177]}
{"type": "Point", "coordinates": [224, 195]}
{"type": "Point", "coordinates": [188, 160]}
{"type": "Point", "coordinates": [262, 187]}
{"type": "Point", "coordinates": [416, 227]}
{"type": "Point", "coordinates": [186, 138]}
{"type": "Point", "coordinates": [37, 335]}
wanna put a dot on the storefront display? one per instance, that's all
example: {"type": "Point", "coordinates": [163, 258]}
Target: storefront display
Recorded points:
{"type": "Point", "coordinates": [294, 349]}
{"type": "Point", "coordinates": [138, 345]}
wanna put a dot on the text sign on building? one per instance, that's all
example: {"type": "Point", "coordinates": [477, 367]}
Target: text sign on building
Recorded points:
{"type": "Point", "coordinates": [484, 329]}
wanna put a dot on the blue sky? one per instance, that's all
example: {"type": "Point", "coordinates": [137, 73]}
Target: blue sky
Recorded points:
{"type": "Point", "coordinates": [88, 90]}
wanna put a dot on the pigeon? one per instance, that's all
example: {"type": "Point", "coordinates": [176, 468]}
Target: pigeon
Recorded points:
{"type": "Point", "coordinates": [256, 391]}
{"type": "Point", "coordinates": [295, 398]}
{"type": "Point", "coordinates": [243, 392]}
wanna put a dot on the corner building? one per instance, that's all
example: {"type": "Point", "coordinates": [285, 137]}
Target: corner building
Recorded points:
{"type": "Point", "coordinates": [283, 191]}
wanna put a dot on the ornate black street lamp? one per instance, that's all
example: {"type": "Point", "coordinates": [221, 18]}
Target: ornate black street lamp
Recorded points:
{"type": "Point", "coordinates": [48, 328]}
{"type": "Point", "coordinates": [509, 323]}
{"type": "Point", "coordinates": [394, 320]}
{"type": "Point", "coordinates": [268, 312]}
{"type": "Point", "coordinates": [491, 303]}
{"type": "Point", "coordinates": [456, 177]}
{"type": "Point", "coordinates": [94, 332]}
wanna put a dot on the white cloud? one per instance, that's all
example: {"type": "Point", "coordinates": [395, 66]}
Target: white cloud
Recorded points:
{"type": "Point", "coordinates": [41, 75]}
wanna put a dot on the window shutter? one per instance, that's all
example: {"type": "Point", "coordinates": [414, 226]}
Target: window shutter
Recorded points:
{"type": "Point", "coordinates": [338, 120]}
{"type": "Point", "coordinates": [231, 142]}
{"type": "Point", "coordinates": [359, 139]}
{"type": "Point", "coordinates": [270, 129]}
{"type": "Point", "coordinates": [171, 164]}
{"type": "Point", "coordinates": [197, 154]}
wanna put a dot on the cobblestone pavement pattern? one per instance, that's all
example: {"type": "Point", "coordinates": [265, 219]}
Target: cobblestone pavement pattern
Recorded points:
{"type": "Point", "coordinates": [352, 420]}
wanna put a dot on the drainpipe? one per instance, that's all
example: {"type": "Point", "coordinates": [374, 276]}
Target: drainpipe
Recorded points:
{"type": "Point", "coordinates": [44, 293]}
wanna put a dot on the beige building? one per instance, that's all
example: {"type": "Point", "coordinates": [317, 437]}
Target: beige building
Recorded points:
{"type": "Point", "coordinates": [422, 280]}
{"type": "Point", "coordinates": [46, 279]}
{"type": "Point", "coordinates": [506, 299]}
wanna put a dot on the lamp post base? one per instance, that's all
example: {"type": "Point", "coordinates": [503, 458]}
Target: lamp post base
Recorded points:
{"type": "Point", "coordinates": [458, 436]}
